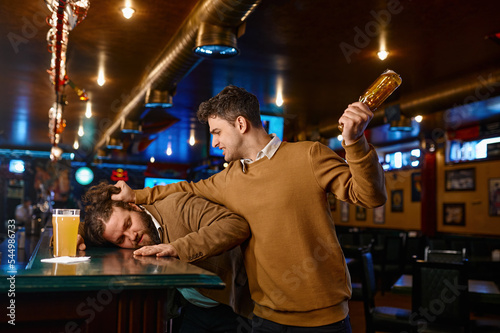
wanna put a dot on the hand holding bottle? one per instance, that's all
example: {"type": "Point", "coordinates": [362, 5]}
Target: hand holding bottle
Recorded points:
{"type": "Point", "coordinates": [378, 92]}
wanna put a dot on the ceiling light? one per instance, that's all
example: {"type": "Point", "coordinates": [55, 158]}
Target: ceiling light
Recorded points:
{"type": "Point", "coordinates": [114, 143]}
{"type": "Point", "coordinates": [55, 153]}
{"type": "Point", "coordinates": [81, 132]}
{"type": "Point", "coordinates": [158, 98]}
{"type": "Point", "coordinates": [76, 145]}
{"type": "Point", "coordinates": [102, 155]}
{"type": "Point", "coordinates": [401, 125]}
{"type": "Point", "coordinates": [131, 127]}
{"type": "Point", "coordinates": [419, 118]}
{"type": "Point", "coordinates": [100, 78]}
{"type": "Point", "coordinates": [382, 54]}
{"type": "Point", "coordinates": [214, 41]}
{"type": "Point", "coordinates": [128, 12]}
{"type": "Point", "coordinates": [192, 139]}
{"type": "Point", "coordinates": [88, 110]}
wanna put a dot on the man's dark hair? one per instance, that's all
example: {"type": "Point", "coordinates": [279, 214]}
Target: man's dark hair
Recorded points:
{"type": "Point", "coordinates": [229, 104]}
{"type": "Point", "coordinates": [98, 210]}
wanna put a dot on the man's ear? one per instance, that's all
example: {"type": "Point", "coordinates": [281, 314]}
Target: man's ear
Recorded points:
{"type": "Point", "coordinates": [242, 124]}
{"type": "Point", "coordinates": [135, 207]}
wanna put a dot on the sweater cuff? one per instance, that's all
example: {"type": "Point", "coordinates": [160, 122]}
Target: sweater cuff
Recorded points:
{"type": "Point", "coordinates": [179, 245]}
{"type": "Point", "coordinates": [357, 150]}
{"type": "Point", "coordinates": [141, 196]}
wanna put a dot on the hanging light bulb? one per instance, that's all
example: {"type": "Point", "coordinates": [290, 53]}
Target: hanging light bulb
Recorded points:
{"type": "Point", "coordinates": [127, 10]}
{"type": "Point", "coordinates": [100, 77]}
{"type": "Point", "coordinates": [279, 92]}
{"type": "Point", "coordinates": [382, 54]}
{"type": "Point", "coordinates": [169, 149]}
{"type": "Point", "coordinates": [192, 140]}
{"type": "Point", "coordinates": [76, 145]}
{"type": "Point", "coordinates": [88, 110]}
{"type": "Point", "coordinates": [152, 159]}
{"type": "Point", "coordinates": [80, 131]}
{"type": "Point", "coordinates": [418, 118]}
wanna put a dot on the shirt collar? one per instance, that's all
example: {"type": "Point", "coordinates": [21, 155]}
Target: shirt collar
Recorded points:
{"type": "Point", "coordinates": [155, 222]}
{"type": "Point", "coordinates": [269, 150]}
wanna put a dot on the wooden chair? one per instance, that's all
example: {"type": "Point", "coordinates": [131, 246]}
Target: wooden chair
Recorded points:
{"type": "Point", "coordinates": [440, 297]}
{"type": "Point", "coordinates": [379, 318]}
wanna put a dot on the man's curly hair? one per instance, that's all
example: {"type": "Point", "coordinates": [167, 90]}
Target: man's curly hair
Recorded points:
{"type": "Point", "coordinates": [229, 104]}
{"type": "Point", "coordinates": [98, 210]}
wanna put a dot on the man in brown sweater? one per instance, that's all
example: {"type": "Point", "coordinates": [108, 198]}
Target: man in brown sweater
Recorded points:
{"type": "Point", "coordinates": [191, 228]}
{"type": "Point", "coordinates": [297, 273]}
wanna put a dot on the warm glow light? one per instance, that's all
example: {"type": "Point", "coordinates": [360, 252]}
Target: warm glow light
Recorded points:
{"type": "Point", "coordinates": [418, 119]}
{"type": "Point", "coordinates": [76, 145]}
{"type": "Point", "coordinates": [226, 165]}
{"type": "Point", "coordinates": [279, 92]}
{"type": "Point", "coordinates": [192, 140]}
{"type": "Point", "coordinates": [100, 78]}
{"type": "Point", "coordinates": [128, 12]}
{"type": "Point", "coordinates": [88, 110]}
{"type": "Point", "coordinates": [152, 159]}
{"type": "Point", "coordinates": [340, 138]}
{"type": "Point", "coordinates": [169, 149]}
{"type": "Point", "coordinates": [80, 131]}
{"type": "Point", "coordinates": [382, 54]}
{"type": "Point", "coordinates": [100, 75]}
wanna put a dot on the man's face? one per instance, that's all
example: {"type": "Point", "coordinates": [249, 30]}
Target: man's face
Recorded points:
{"type": "Point", "coordinates": [130, 229]}
{"type": "Point", "coordinates": [226, 137]}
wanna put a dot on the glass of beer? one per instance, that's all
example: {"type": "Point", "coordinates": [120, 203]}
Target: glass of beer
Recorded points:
{"type": "Point", "coordinates": [65, 231]}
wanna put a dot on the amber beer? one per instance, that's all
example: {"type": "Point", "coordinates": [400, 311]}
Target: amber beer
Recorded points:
{"type": "Point", "coordinates": [382, 88]}
{"type": "Point", "coordinates": [65, 231]}
{"type": "Point", "coordinates": [379, 90]}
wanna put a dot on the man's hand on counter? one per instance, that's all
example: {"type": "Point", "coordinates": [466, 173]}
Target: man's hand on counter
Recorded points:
{"type": "Point", "coordinates": [80, 243]}
{"type": "Point", "coordinates": [160, 250]}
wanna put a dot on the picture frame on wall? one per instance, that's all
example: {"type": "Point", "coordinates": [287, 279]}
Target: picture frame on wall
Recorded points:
{"type": "Point", "coordinates": [454, 214]}
{"type": "Point", "coordinates": [379, 215]}
{"type": "Point", "coordinates": [460, 180]}
{"type": "Point", "coordinates": [396, 200]}
{"type": "Point", "coordinates": [360, 213]}
{"type": "Point", "coordinates": [344, 211]}
{"type": "Point", "coordinates": [494, 196]}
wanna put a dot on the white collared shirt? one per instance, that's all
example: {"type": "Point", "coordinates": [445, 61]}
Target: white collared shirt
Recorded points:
{"type": "Point", "coordinates": [156, 223]}
{"type": "Point", "coordinates": [269, 150]}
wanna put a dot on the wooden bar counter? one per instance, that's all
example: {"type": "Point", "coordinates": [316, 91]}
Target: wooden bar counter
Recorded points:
{"type": "Point", "coordinates": [112, 292]}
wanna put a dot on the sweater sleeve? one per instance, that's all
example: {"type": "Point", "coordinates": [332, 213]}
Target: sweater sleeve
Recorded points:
{"type": "Point", "coordinates": [360, 181]}
{"type": "Point", "coordinates": [211, 189]}
{"type": "Point", "coordinates": [211, 229]}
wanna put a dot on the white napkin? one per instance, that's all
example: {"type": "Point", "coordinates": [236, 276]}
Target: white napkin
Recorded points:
{"type": "Point", "coordinates": [66, 260]}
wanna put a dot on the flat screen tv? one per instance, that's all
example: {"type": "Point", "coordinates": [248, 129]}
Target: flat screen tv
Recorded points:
{"type": "Point", "coordinates": [152, 182]}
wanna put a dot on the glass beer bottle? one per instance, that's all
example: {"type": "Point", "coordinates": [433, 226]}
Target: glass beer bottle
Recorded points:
{"type": "Point", "coordinates": [382, 88]}
{"type": "Point", "coordinates": [379, 90]}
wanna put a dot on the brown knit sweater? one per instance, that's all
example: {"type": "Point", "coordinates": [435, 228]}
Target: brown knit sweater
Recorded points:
{"type": "Point", "coordinates": [295, 266]}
